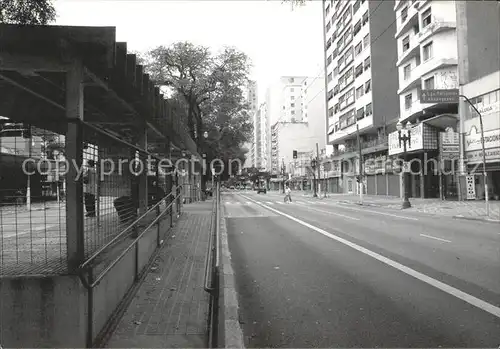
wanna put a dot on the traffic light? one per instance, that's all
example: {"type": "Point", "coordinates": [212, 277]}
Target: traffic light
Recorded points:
{"type": "Point", "coordinates": [295, 154]}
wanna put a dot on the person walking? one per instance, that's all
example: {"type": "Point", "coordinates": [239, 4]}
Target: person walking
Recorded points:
{"type": "Point", "coordinates": [288, 194]}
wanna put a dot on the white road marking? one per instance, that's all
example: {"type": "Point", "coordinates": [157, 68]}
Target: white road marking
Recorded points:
{"type": "Point", "coordinates": [377, 212]}
{"type": "Point", "coordinates": [270, 203]}
{"type": "Point", "coordinates": [249, 202]}
{"type": "Point", "coordinates": [433, 237]}
{"type": "Point", "coordinates": [479, 303]}
{"type": "Point", "coordinates": [332, 213]}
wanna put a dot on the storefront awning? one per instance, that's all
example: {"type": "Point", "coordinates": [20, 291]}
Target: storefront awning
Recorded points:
{"type": "Point", "coordinates": [443, 121]}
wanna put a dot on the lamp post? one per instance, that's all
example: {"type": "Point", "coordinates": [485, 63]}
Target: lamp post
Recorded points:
{"type": "Point", "coordinates": [403, 138]}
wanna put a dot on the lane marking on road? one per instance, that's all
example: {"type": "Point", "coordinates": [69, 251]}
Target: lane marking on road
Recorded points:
{"type": "Point", "coordinates": [479, 303]}
{"type": "Point", "coordinates": [331, 213]}
{"type": "Point", "coordinates": [376, 212]}
{"type": "Point", "coordinates": [270, 203]}
{"type": "Point", "coordinates": [435, 238]}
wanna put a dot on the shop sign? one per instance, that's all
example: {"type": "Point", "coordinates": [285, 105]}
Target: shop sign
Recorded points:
{"type": "Point", "coordinates": [487, 109]}
{"type": "Point", "coordinates": [476, 156]}
{"type": "Point", "coordinates": [473, 139]}
{"type": "Point", "coordinates": [417, 140]}
{"type": "Point", "coordinates": [449, 145]}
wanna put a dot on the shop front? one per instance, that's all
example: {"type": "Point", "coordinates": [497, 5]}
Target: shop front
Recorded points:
{"type": "Point", "coordinates": [422, 159]}
{"type": "Point", "coordinates": [474, 159]}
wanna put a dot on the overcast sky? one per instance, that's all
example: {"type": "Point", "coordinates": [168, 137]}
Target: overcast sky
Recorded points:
{"type": "Point", "coordinates": [278, 41]}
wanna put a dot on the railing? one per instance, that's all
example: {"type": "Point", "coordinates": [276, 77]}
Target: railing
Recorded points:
{"type": "Point", "coordinates": [87, 267]}
{"type": "Point", "coordinates": [212, 264]}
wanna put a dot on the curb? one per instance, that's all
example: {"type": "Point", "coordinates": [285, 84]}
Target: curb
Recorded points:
{"type": "Point", "coordinates": [489, 220]}
{"type": "Point", "coordinates": [230, 334]}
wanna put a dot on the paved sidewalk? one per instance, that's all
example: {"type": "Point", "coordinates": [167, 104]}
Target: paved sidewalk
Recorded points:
{"type": "Point", "coordinates": [170, 309]}
{"type": "Point", "coordinates": [457, 209]}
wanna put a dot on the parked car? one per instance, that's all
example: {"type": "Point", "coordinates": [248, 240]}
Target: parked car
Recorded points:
{"type": "Point", "coordinates": [261, 190]}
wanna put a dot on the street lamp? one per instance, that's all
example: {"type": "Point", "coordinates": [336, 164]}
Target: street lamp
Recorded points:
{"type": "Point", "coordinates": [404, 138]}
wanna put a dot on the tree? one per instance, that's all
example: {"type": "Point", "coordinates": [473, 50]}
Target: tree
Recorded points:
{"type": "Point", "coordinates": [27, 11]}
{"type": "Point", "coordinates": [208, 84]}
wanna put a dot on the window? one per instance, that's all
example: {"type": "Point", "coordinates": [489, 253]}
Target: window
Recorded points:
{"type": "Point", "coordinates": [408, 101]}
{"type": "Point", "coordinates": [429, 83]}
{"type": "Point", "coordinates": [368, 109]}
{"type": "Point", "coordinates": [330, 112]}
{"type": "Point", "coordinates": [341, 61]}
{"type": "Point", "coordinates": [359, 70]}
{"type": "Point", "coordinates": [335, 71]}
{"type": "Point", "coordinates": [360, 114]}
{"type": "Point", "coordinates": [404, 14]}
{"type": "Point", "coordinates": [427, 51]}
{"type": "Point", "coordinates": [293, 112]}
{"type": "Point", "coordinates": [328, 43]}
{"type": "Point", "coordinates": [406, 43]}
{"type": "Point", "coordinates": [407, 71]}
{"type": "Point", "coordinates": [426, 18]}
{"type": "Point", "coordinates": [368, 86]}
{"type": "Point", "coordinates": [360, 92]}
{"type": "Point", "coordinates": [292, 105]}
{"type": "Point", "coordinates": [357, 27]}
{"type": "Point", "coordinates": [335, 53]}
{"type": "Point", "coordinates": [367, 63]}
{"type": "Point", "coordinates": [366, 41]}
{"type": "Point", "coordinates": [328, 26]}
{"type": "Point", "coordinates": [416, 29]}
{"type": "Point", "coordinates": [327, 9]}
{"type": "Point", "coordinates": [356, 6]}
{"type": "Point", "coordinates": [329, 60]}
{"type": "Point", "coordinates": [330, 94]}
{"type": "Point", "coordinates": [358, 49]}
{"type": "Point", "coordinates": [365, 18]}
{"type": "Point", "coordinates": [292, 89]}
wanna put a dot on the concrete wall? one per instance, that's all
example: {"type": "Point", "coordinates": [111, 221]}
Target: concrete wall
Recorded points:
{"type": "Point", "coordinates": [38, 312]}
{"type": "Point", "coordinates": [314, 109]}
{"type": "Point", "coordinates": [383, 57]}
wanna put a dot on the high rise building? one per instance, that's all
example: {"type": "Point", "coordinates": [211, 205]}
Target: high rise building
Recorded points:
{"type": "Point", "coordinates": [478, 34]}
{"type": "Point", "coordinates": [361, 82]}
{"type": "Point", "coordinates": [251, 97]}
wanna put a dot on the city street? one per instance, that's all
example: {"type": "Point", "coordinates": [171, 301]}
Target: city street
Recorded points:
{"type": "Point", "coordinates": [318, 273]}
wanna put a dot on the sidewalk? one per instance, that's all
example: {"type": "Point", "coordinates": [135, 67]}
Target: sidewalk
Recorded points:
{"type": "Point", "coordinates": [475, 210]}
{"type": "Point", "coordinates": [171, 308]}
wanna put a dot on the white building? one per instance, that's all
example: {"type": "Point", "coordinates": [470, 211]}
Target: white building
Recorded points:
{"type": "Point", "coordinates": [251, 97]}
{"type": "Point", "coordinates": [427, 54]}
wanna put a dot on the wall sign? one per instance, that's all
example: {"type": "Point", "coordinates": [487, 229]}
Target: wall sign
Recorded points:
{"type": "Point", "coordinates": [471, 187]}
{"type": "Point", "coordinates": [473, 139]}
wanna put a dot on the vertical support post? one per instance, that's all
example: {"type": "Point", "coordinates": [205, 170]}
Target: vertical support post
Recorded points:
{"type": "Point", "coordinates": [98, 185]}
{"type": "Point", "coordinates": [74, 154]}
{"type": "Point", "coordinates": [360, 167]}
{"type": "Point", "coordinates": [143, 175]}
{"type": "Point", "coordinates": [158, 199]}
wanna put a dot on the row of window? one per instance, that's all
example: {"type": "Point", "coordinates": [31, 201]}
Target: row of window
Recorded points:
{"type": "Point", "coordinates": [362, 22]}
{"type": "Point", "coordinates": [348, 98]}
{"type": "Point", "coordinates": [353, 115]}
{"type": "Point", "coordinates": [361, 45]}
{"type": "Point", "coordinates": [427, 53]}
{"type": "Point", "coordinates": [483, 101]}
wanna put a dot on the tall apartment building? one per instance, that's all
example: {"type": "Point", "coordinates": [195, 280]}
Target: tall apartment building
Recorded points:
{"type": "Point", "coordinates": [361, 82]}
{"type": "Point", "coordinates": [478, 32]}
{"type": "Point", "coordinates": [283, 104]}
{"type": "Point", "coordinates": [427, 60]}
{"type": "Point", "coordinates": [314, 110]}
{"type": "Point", "coordinates": [251, 97]}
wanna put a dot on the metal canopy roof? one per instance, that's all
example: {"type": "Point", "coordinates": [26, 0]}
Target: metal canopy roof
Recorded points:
{"type": "Point", "coordinates": [119, 96]}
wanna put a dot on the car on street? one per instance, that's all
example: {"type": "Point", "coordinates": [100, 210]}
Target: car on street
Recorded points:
{"type": "Point", "coordinates": [261, 190]}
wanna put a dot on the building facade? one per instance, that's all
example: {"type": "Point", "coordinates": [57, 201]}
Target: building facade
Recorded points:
{"type": "Point", "coordinates": [361, 86]}
{"type": "Point", "coordinates": [478, 28]}
{"type": "Point", "coordinates": [251, 97]}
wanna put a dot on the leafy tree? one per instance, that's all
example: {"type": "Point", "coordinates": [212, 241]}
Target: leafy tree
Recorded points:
{"type": "Point", "coordinates": [27, 11]}
{"type": "Point", "coordinates": [211, 85]}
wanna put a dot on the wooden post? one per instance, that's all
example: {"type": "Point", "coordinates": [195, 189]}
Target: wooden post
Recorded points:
{"type": "Point", "coordinates": [74, 154]}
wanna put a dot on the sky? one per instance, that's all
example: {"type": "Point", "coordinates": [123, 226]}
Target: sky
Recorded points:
{"type": "Point", "coordinates": [278, 41]}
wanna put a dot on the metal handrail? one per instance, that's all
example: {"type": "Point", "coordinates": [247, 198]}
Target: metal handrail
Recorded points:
{"type": "Point", "coordinates": [124, 252]}
{"type": "Point", "coordinates": [117, 237]}
{"type": "Point", "coordinates": [213, 221]}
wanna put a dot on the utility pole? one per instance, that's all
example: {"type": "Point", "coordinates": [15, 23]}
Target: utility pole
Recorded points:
{"type": "Point", "coordinates": [360, 176]}
{"type": "Point", "coordinates": [319, 170]}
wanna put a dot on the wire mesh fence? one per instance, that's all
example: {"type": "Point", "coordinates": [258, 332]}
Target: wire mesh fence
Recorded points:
{"type": "Point", "coordinates": [32, 200]}
{"type": "Point", "coordinates": [33, 178]}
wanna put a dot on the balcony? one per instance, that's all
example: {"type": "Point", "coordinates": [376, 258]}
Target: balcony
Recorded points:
{"type": "Point", "coordinates": [413, 80]}
{"type": "Point", "coordinates": [412, 51]}
{"type": "Point", "coordinates": [434, 28]}
{"type": "Point", "coordinates": [409, 22]}
{"type": "Point", "coordinates": [415, 108]}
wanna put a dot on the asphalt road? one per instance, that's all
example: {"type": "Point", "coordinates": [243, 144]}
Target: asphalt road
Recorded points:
{"type": "Point", "coordinates": [316, 273]}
